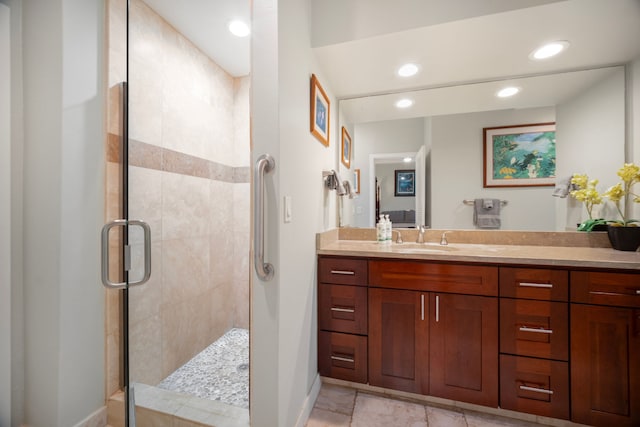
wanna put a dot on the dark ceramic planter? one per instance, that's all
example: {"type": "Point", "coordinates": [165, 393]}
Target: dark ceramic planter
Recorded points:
{"type": "Point", "coordinates": [624, 238]}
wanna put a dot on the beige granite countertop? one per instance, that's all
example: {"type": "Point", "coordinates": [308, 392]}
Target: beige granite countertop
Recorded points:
{"type": "Point", "coordinates": [566, 250]}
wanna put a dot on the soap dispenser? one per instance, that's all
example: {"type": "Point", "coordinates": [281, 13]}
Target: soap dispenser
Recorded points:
{"type": "Point", "coordinates": [380, 230]}
{"type": "Point", "coordinates": [388, 229]}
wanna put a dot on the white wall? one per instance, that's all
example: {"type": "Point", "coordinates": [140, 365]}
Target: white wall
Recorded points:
{"type": "Point", "coordinates": [393, 136]}
{"type": "Point", "coordinates": [63, 211]}
{"type": "Point", "coordinates": [283, 334]}
{"type": "Point", "coordinates": [633, 122]}
{"type": "Point", "coordinates": [591, 139]}
{"type": "Point", "coordinates": [457, 168]}
{"type": "Point", "coordinates": [5, 216]}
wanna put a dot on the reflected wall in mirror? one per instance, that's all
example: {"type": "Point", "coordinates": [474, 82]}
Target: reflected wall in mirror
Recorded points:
{"type": "Point", "coordinates": [463, 61]}
{"type": "Point", "coordinates": [587, 106]}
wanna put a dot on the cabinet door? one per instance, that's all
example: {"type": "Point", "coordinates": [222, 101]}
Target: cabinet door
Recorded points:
{"type": "Point", "coordinates": [605, 365]}
{"type": "Point", "coordinates": [398, 340]}
{"type": "Point", "coordinates": [464, 348]}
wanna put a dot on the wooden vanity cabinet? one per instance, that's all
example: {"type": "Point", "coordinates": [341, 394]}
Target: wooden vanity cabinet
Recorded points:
{"type": "Point", "coordinates": [605, 348]}
{"type": "Point", "coordinates": [534, 341]}
{"type": "Point", "coordinates": [342, 318]}
{"type": "Point", "coordinates": [399, 340]}
{"type": "Point", "coordinates": [433, 329]}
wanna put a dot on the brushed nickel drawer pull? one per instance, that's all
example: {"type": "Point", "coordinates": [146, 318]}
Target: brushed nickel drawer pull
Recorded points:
{"type": "Point", "coordinates": [538, 330]}
{"type": "Point", "coordinates": [343, 359]}
{"type": "Point", "coordinates": [344, 272]}
{"type": "Point", "coordinates": [535, 285]}
{"type": "Point", "coordinates": [637, 291]}
{"type": "Point", "coordinates": [536, 389]}
{"type": "Point", "coordinates": [610, 294]}
{"type": "Point", "coordinates": [343, 310]}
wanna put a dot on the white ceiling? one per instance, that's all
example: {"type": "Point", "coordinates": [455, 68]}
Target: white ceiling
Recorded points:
{"type": "Point", "coordinates": [485, 47]}
{"type": "Point", "coordinates": [205, 22]}
{"type": "Point", "coordinates": [360, 44]}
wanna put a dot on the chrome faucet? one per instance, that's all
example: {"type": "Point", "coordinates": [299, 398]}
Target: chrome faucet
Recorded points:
{"type": "Point", "coordinates": [421, 231]}
{"type": "Point", "coordinates": [443, 238]}
{"type": "Point", "coordinates": [399, 239]}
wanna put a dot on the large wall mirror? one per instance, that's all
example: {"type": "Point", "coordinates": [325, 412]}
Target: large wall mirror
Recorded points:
{"type": "Point", "coordinates": [463, 63]}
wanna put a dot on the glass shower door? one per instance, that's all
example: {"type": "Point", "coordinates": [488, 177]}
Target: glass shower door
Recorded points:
{"type": "Point", "coordinates": [187, 147]}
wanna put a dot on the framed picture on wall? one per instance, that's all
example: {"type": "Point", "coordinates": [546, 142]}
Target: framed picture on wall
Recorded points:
{"type": "Point", "coordinates": [356, 181]}
{"type": "Point", "coordinates": [405, 182]}
{"type": "Point", "coordinates": [320, 111]}
{"type": "Point", "coordinates": [520, 155]}
{"type": "Point", "coordinates": [346, 148]}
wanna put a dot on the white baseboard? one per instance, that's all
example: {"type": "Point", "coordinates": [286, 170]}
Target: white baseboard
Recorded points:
{"type": "Point", "coordinates": [97, 419]}
{"type": "Point", "coordinates": [309, 401]}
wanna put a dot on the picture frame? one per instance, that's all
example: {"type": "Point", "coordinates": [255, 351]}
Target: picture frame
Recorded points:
{"type": "Point", "coordinates": [320, 112]}
{"type": "Point", "coordinates": [519, 155]}
{"type": "Point", "coordinates": [356, 181]}
{"type": "Point", "coordinates": [405, 183]}
{"type": "Point", "coordinates": [346, 148]}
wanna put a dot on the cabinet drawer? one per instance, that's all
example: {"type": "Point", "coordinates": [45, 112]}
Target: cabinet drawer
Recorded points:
{"type": "Point", "coordinates": [342, 271]}
{"type": "Point", "coordinates": [342, 356]}
{"type": "Point", "coordinates": [534, 386]}
{"type": "Point", "coordinates": [534, 283]}
{"type": "Point", "coordinates": [342, 308]}
{"type": "Point", "coordinates": [428, 276]}
{"type": "Point", "coordinates": [616, 289]}
{"type": "Point", "coordinates": [534, 328]}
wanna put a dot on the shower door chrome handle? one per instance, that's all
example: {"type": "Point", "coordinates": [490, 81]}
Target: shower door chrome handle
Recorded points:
{"type": "Point", "coordinates": [265, 164]}
{"type": "Point", "coordinates": [127, 253]}
{"type": "Point", "coordinates": [147, 251]}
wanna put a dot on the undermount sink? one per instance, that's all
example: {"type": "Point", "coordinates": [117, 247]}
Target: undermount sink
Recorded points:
{"type": "Point", "coordinates": [422, 247]}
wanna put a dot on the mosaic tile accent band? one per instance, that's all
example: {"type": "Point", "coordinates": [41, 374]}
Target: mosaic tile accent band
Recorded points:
{"type": "Point", "coordinates": [151, 156]}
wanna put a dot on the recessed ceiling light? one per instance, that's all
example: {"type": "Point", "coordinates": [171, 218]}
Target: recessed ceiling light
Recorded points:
{"type": "Point", "coordinates": [407, 159]}
{"type": "Point", "coordinates": [507, 92]}
{"type": "Point", "coordinates": [408, 70]}
{"type": "Point", "coordinates": [549, 50]}
{"type": "Point", "coordinates": [239, 28]}
{"type": "Point", "coordinates": [404, 103]}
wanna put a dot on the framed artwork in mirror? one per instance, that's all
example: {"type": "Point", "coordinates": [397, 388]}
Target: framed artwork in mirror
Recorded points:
{"type": "Point", "coordinates": [346, 148]}
{"type": "Point", "coordinates": [405, 182]}
{"type": "Point", "coordinates": [520, 155]}
{"type": "Point", "coordinates": [320, 112]}
{"type": "Point", "coordinates": [356, 181]}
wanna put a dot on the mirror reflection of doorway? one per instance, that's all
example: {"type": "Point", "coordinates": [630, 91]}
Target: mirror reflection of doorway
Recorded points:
{"type": "Point", "coordinates": [403, 202]}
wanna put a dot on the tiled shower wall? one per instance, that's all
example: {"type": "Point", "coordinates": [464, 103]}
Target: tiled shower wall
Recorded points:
{"type": "Point", "coordinates": [189, 179]}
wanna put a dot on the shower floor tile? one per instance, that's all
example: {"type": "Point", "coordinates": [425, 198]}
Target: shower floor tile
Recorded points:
{"type": "Point", "coordinates": [219, 372]}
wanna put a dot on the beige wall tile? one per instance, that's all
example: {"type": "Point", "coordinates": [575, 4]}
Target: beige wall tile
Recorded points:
{"type": "Point", "coordinates": [145, 341]}
{"type": "Point", "coordinates": [185, 269]}
{"type": "Point", "coordinates": [186, 206]}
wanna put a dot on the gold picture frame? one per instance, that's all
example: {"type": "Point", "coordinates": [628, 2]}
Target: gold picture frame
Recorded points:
{"type": "Point", "coordinates": [346, 147]}
{"type": "Point", "coordinates": [320, 112]}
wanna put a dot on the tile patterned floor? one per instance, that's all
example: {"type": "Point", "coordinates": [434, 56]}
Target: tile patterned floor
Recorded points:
{"type": "Point", "coordinates": [339, 406]}
{"type": "Point", "coordinates": [220, 372]}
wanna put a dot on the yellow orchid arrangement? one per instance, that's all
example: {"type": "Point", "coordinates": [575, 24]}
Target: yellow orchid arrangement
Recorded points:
{"type": "Point", "coordinates": [630, 175]}
{"type": "Point", "coordinates": [586, 192]}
